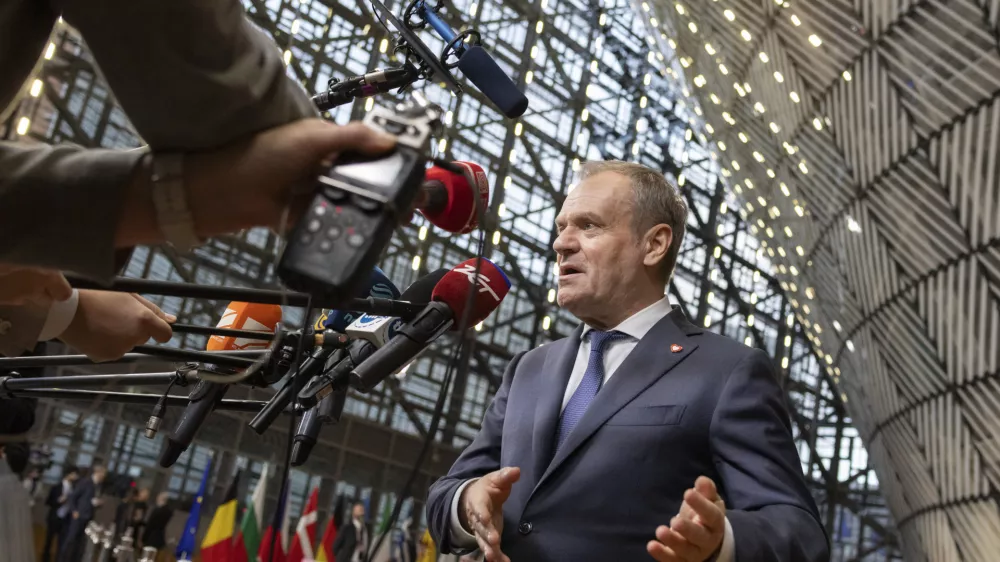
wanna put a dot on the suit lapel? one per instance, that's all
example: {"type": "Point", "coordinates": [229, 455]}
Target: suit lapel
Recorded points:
{"type": "Point", "coordinates": [551, 387]}
{"type": "Point", "coordinates": [650, 360]}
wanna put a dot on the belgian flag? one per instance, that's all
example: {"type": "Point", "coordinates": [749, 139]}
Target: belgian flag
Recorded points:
{"type": "Point", "coordinates": [218, 543]}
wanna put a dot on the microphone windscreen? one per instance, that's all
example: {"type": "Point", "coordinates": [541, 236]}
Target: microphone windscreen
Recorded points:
{"type": "Point", "coordinates": [479, 67]}
{"type": "Point", "coordinates": [458, 214]}
{"type": "Point", "coordinates": [379, 286]}
{"type": "Point", "coordinates": [246, 316]}
{"type": "Point", "coordinates": [488, 288]}
{"type": "Point", "coordinates": [422, 290]}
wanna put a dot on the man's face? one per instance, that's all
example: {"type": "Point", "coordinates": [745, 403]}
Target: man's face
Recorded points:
{"type": "Point", "coordinates": [598, 252]}
{"type": "Point", "coordinates": [72, 476]}
{"type": "Point", "coordinates": [358, 512]}
{"type": "Point", "coordinates": [99, 474]}
{"type": "Point", "coordinates": [143, 495]}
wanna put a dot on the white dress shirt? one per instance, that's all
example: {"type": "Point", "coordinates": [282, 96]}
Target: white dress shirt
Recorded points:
{"type": "Point", "coordinates": [615, 352]}
{"type": "Point", "coordinates": [63, 510]}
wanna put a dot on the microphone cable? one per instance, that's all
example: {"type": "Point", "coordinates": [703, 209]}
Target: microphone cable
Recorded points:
{"type": "Point", "coordinates": [443, 394]}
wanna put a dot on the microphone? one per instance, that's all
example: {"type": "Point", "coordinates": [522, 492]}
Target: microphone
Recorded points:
{"type": "Point", "coordinates": [476, 63]}
{"type": "Point", "coordinates": [449, 200]}
{"type": "Point", "coordinates": [369, 333]}
{"type": "Point", "coordinates": [375, 82]}
{"type": "Point", "coordinates": [482, 70]}
{"type": "Point", "coordinates": [379, 286]}
{"type": "Point", "coordinates": [330, 388]}
{"type": "Point", "coordinates": [206, 395]}
{"type": "Point", "coordinates": [456, 288]}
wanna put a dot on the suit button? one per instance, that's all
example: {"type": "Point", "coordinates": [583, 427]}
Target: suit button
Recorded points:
{"type": "Point", "coordinates": [525, 527]}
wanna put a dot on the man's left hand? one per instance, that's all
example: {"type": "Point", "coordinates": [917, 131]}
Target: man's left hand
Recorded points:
{"type": "Point", "coordinates": [695, 534]}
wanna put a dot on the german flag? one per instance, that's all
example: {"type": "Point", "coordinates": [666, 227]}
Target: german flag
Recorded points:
{"type": "Point", "coordinates": [218, 543]}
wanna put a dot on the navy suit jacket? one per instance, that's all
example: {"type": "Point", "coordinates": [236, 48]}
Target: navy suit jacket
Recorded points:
{"type": "Point", "coordinates": [667, 416]}
{"type": "Point", "coordinates": [81, 498]}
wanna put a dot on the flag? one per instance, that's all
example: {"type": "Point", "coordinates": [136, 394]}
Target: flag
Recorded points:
{"type": "Point", "coordinates": [186, 545]}
{"type": "Point", "coordinates": [305, 533]}
{"type": "Point", "coordinates": [272, 534]}
{"type": "Point", "coordinates": [324, 552]}
{"type": "Point", "coordinates": [249, 538]}
{"type": "Point", "coordinates": [383, 554]}
{"type": "Point", "coordinates": [430, 550]}
{"type": "Point", "coordinates": [217, 546]}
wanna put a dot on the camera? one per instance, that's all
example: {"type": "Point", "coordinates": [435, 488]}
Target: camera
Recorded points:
{"type": "Point", "coordinates": [357, 205]}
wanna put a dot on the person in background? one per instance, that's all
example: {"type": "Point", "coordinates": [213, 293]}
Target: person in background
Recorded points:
{"type": "Point", "coordinates": [84, 502]}
{"type": "Point", "coordinates": [155, 534]}
{"type": "Point", "coordinates": [59, 511]}
{"type": "Point", "coordinates": [17, 539]}
{"type": "Point", "coordinates": [351, 544]}
{"type": "Point", "coordinates": [123, 511]}
{"type": "Point", "coordinates": [140, 510]}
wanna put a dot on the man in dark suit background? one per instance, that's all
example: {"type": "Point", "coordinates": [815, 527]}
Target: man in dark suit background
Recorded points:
{"type": "Point", "coordinates": [83, 502]}
{"type": "Point", "coordinates": [640, 434]}
{"type": "Point", "coordinates": [59, 511]}
{"type": "Point", "coordinates": [351, 544]}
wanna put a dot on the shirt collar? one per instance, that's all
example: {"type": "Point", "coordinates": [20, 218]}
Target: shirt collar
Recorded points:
{"type": "Point", "coordinates": [640, 323]}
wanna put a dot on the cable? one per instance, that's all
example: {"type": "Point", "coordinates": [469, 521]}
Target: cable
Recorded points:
{"type": "Point", "coordinates": [439, 405]}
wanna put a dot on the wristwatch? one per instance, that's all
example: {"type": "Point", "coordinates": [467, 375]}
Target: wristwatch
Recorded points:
{"type": "Point", "coordinates": [170, 201]}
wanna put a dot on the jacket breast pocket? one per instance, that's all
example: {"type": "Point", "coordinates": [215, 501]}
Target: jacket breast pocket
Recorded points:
{"type": "Point", "coordinates": [649, 415]}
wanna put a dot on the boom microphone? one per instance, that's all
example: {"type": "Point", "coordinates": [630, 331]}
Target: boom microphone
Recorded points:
{"type": "Point", "coordinates": [451, 201]}
{"type": "Point", "coordinates": [371, 332]}
{"type": "Point", "coordinates": [205, 396]}
{"type": "Point", "coordinates": [448, 307]}
{"type": "Point", "coordinates": [476, 63]}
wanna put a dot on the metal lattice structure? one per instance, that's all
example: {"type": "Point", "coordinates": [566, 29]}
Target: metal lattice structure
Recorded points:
{"type": "Point", "coordinates": [602, 85]}
{"type": "Point", "coordinates": [864, 135]}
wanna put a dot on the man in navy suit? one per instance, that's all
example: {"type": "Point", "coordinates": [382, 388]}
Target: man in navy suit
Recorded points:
{"type": "Point", "coordinates": [83, 503]}
{"type": "Point", "coordinates": [640, 435]}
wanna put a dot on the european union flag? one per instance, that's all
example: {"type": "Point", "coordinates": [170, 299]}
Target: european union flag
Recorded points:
{"type": "Point", "coordinates": [187, 545]}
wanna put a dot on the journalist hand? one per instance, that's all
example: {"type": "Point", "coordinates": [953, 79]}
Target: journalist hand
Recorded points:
{"type": "Point", "coordinates": [108, 324]}
{"type": "Point", "coordinates": [251, 182]}
{"type": "Point", "coordinates": [24, 285]}
{"type": "Point", "coordinates": [481, 510]}
{"type": "Point", "coordinates": [696, 533]}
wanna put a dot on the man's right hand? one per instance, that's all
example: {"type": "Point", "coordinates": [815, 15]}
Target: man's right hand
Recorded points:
{"type": "Point", "coordinates": [481, 510]}
{"type": "Point", "coordinates": [108, 324]}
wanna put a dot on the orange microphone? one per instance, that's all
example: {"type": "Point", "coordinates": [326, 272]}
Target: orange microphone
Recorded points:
{"type": "Point", "coordinates": [205, 396]}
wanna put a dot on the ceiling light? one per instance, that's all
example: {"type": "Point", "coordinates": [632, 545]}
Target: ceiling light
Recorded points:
{"type": "Point", "coordinates": [815, 40]}
{"type": "Point", "coordinates": [796, 21]}
{"type": "Point", "coordinates": [758, 157]}
{"type": "Point", "coordinates": [817, 124]}
{"type": "Point", "coordinates": [784, 189]}
{"type": "Point", "coordinates": [800, 251]}
{"type": "Point", "coordinates": [759, 107]}
{"type": "Point", "coordinates": [803, 168]}
{"type": "Point", "coordinates": [794, 96]}
{"type": "Point", "coordinates": [722, 147]}
{"type": "Point", "coordinates": [715, 99]}
{"type": "Point", "coordinates": [680, 9]}
{"type": "Point", "coordinates": [736, 165]}
{"type": "Point", "coordinates": [709, 48]}
{"type": "Point", "coordinates": [847, 76]}
{"type": "Point", "coordinates": [723, 69]}
{"type": "Point", "coordinates": [709, 128]}
{"type": "Point", "coordinates": [763, 57]}
{"type": "Point", "coordinates": [743, 137]}
{"type": "Point", "coordinates": [739, 89]}
{"type": "Point", "coordinates": [774, 127]}
{"type": "Point", "coordinates": [779, 77]}
{"type": "Point", "coordinates": [746, 35]}
{"type": "Point", "coordinates": [693, 27]}
{"type": "Point", "coordinates": [729, 15]}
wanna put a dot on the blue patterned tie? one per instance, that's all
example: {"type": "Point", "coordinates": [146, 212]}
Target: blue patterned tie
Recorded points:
{"type": "Point", "coordinates": [593, 378]}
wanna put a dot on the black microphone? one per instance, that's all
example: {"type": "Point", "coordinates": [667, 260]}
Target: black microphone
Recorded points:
{"type": "Point", "coordinates": [482, 69]}
{"type": "Point", "coordinates": [206, 395]}
{"type": "Point", "coordinates": [375, 82]}
{"type": "Point", "coordinates": [309, 368]}
{"type": "Point", "coordinates": [328, 411]}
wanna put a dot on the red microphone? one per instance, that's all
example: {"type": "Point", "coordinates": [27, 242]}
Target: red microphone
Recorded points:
{"type": "Point", "coordinates": [489, 286]}
{"type": "Point", "coordinates": [450, 297]}
{"type": "Point", "coordinates": [449, 200]}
